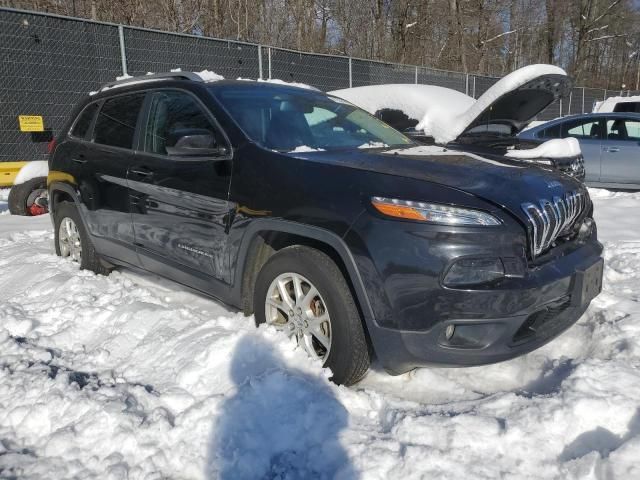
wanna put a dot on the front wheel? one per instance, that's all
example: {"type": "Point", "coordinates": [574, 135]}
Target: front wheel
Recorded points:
{"type": "Point", "coordinates": [302, 292]}
{"type": "Point", "coordinates": [72, 240]}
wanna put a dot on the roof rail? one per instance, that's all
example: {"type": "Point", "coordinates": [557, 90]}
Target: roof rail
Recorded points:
{"type": "Point", "coordinates": [152, 77]}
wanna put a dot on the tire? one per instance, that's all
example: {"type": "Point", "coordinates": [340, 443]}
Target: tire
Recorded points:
{"type": "Point", "coordinates": [89, 259]}
{"type": "Point", "coordinates": [19, 200]}
{"type": "Point", "coordinates": [348, 352]}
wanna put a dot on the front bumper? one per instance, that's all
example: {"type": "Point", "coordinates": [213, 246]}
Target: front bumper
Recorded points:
{"type": "Point", "coordinates": [413, 310]}
{"type": "Point", "coordinates": [482, 341]}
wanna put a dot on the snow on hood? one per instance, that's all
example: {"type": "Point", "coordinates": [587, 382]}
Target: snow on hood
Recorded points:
{"type": "Point", "coordinates": [305, 149]}
{"type": "Point", "coordinates": [608, 105]}
{"type": "Point", "coordinates": [33, 169]}
{"type": "Point", "coordinates": [556, 148]}
{"type": "Point", "coordinates": [436, 150]}
{"type": "Point", "coordinates": [445, 125]}
{"type": "Point", "coordinates": [413, 100]}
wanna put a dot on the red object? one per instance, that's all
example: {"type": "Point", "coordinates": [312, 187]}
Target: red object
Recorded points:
{"type": "Point", "coordinates": [51, 146]}
{"type": "Point", "coordinates": [36, 209]}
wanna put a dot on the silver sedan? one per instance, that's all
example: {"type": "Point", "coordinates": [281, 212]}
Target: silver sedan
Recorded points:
{"type": "Point", "coordinates": [610, 144]}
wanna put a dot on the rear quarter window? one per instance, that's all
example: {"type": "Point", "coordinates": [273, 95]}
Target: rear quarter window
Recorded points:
{"type": "Point", "coordinates": [82, 124]}
{"type": "Point", "coordinates": [550, 132]}
{"type": "Point", "coordinates": [116, 122]}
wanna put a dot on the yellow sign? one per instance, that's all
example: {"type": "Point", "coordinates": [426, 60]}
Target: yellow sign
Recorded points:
{"type": "Point", "coordinates": [31, 123]}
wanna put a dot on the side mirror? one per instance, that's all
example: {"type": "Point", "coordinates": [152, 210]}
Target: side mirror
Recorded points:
{"type": "Point", "coordinates": [196, 144]}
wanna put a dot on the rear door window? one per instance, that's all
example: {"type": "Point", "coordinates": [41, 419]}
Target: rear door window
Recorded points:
{"type": "Point", "coordinates": [116, 122]}
{"type": "Point", "coordinates": [83, 122]}
{"type": "Point", "coordinates": [622, 129]}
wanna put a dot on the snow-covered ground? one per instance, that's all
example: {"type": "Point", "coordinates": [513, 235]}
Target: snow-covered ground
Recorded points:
{"type": "Point", "coordinates": [131, 376]}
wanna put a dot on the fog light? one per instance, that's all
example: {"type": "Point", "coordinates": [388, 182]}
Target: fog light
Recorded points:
{"type": "Point", "coordinates": [471, 336]}
{"type": "Point", "coordinates": [586, 229]}
{"type": "Point", "coordinates": [474, 271]}
{"type": "Point", "coordinates": [448, 333]}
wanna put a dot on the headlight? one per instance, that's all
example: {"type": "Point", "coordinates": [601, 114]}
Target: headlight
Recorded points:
{"type": "Point", "coordinates": [432, 212]}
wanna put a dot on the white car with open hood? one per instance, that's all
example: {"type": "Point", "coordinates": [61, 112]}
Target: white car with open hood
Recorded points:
{"type": "Point", "coordinates": [488, 125]}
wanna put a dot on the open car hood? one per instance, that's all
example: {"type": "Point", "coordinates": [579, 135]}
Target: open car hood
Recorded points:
{"type": "Point", "coordinates": [514, 101]}
{"type": "Point", "coordinates": [446, 114]}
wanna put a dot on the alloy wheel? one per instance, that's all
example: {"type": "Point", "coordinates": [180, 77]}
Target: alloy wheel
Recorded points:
{"type": "Point", "coordinates": [69, 240]}
{"type": "Point", "coordinates": [294, 305]}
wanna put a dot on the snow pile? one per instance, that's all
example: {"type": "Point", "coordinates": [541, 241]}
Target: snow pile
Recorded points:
{"type": "Point", "coordinates": [445, 125]}
{"type": "Point", "coordinates": [284, 82]}
{"type": "Point", "coordinates": [413, 100]}
{"type": "Point", "coordinates": [4, 201]}
{"type": "Point", "coordinates": [372, 145]}
{"type": "Point", "coordinates": [277, 81]}
{"type": "Point", "coordinates": [33, 169]}
{"type": "Point", "coordinates": [131, 376]}
{"type": "Point", "coordinates": [608, 105]}
{"type": "Point", "coordinates": [556, 148]}
{"type": "Point", "coordinates": [209, 76]}
{"type": "Point", "coordinates": [205, 75]}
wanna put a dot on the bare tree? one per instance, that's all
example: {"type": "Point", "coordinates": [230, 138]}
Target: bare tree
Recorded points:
{"type": "Point", "coordinates": [598, 41]}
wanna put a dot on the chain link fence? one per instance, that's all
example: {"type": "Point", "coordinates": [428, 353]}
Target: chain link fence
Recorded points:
{"type": "Point", "coordinates": [49, 62]}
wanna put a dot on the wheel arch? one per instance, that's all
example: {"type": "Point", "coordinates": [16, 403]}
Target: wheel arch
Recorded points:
{"type": "Point", "coordinates": [266, 237]}
{"type": "Point", "coordinates": [60, 191]}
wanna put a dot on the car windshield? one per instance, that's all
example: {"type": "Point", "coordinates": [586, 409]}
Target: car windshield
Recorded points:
{"type": "Point", "coordinates": [498, 129]}
{"type": "Point", "coordinates": [287, 119]}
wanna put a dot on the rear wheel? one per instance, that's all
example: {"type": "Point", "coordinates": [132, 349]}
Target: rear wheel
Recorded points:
{"type": "Point", "coordinates": [72, 240]}
{"type": "Point", "coordinates": [302, 292]}
{"type": "Point", "coordinates": [27, 198]}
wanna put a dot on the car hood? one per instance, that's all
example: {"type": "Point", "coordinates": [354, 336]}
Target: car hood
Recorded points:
{"type": "Point", "coordinates": [447, 115]}
{"type": "Point", "coordinates": [505, 183]}
{"type": "Point", "coordinates": [513, 100]}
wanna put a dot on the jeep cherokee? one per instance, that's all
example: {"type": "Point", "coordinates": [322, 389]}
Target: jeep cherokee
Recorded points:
{"type": "Point", "coordinates": [324, 222]}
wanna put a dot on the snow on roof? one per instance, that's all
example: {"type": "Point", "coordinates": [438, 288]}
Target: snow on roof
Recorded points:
{"type": "Point", "coordinates": [607, 106]}
{"type": "Point", "coordinates": [556, 148]}
{"type": "Point", "coordinates": [284, 82]}
{"type": "Point", "coordinates": [445, 125]}
{"type": "Point", "coordinates": [206, 76]}
{"type": "Point", "coordinates": [209, 76]}
{"type": "Point", "coordinates": [414, 100]}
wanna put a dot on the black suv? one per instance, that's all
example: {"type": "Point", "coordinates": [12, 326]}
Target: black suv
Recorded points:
{"type": "Point", "coordinates": [324, 221]}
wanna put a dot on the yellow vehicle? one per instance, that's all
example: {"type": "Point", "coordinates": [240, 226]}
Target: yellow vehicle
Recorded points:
{"type": "Point", "coordinates": [28, 182]}
{"type": "Point", "coordinates": [8, 172]}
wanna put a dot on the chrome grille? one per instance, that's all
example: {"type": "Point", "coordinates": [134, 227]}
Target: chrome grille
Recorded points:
{"type": "Point", "coordinates": [550, 219]}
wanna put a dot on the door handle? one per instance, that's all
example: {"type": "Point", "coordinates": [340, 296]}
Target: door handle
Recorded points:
{"type": "Point", "coordinates": [79, 159]}
{"type": "Point", "coordinates": [141, 171]}
{"type": "Point", "coordinates": [613, 149]}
